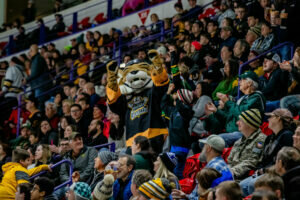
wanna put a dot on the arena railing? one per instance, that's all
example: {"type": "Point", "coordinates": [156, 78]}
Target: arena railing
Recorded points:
{"type": "Point", "coordinates": [279, 46]}
{"type": "Point", "coordinates": [68, 182]}
{"type": "Point", "coordinates": [115, 57]}
{"type": "Point", "coordinates": [111, 146]}
{"type": "Point", "coordinates": [42, 37]}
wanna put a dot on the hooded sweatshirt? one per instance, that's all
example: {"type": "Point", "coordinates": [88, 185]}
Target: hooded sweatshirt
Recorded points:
{"type": "Point", "coordinates": [15, 174]}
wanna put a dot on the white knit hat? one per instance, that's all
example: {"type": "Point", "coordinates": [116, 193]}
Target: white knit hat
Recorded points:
{"type": "Point", "coordinates": [104, 189]}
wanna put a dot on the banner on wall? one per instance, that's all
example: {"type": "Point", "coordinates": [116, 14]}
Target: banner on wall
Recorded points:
{"type": "Point", "coordinates": [143, 15]}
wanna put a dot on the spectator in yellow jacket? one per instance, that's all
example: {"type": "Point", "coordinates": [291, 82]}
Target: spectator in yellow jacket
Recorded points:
{"type": "Point", "coordinates": [16, 173]}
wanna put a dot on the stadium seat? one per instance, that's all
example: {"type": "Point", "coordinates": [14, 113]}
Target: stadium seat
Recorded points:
{"type": "Point", "coordinates": [99, 19]}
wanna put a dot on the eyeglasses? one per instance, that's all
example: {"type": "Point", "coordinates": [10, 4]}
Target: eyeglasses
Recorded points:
{"type": "Point", "coordinates": [35, 188]}
{"type": "Point", "coordinates": [64, 144]}
{"type": "Point", "coordinates": [73, 111]}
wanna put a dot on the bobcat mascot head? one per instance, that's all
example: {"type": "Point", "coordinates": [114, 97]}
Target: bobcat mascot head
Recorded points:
{"type": "Point", "coordinates": [135, 77]}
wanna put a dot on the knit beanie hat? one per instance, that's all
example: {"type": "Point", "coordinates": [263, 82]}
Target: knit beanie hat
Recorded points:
{"type": "Point", "coordinates": [157, 189]}
{"type": "Point", "coordinates": [186, 96]}
{"type": "Point", "coordinates": [169, 159]}
{"type": "Point", "coordinates": [256, 30]}
{"type": "Point", "coordinates": [81, 190]}
{"type": "Point", "coordinates": [104, 189]}
{"type": "Point", "coordinates": [107, 156]}
{"type": "Point", "coordinates": [197, 45]}
{"type": "Point", "coordinates": [252, 118]}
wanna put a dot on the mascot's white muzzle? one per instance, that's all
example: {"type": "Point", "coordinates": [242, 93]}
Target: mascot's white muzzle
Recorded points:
{"type": "Point", "coordinates": [137, 79]}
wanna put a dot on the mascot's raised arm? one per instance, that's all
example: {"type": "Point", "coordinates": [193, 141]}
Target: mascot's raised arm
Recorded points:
{"type": "Point", "coordinates": [135, 94]}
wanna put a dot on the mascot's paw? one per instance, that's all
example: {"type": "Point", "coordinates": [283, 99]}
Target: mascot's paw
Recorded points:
{"type": "Point", "coordinates": [112, 72]}
{"type": "Point", "coordinates": [112, 66]}
{"type": "Point", "coordinates": [155, 59]}
{"type": "Point", "coordinates": [152, 54]}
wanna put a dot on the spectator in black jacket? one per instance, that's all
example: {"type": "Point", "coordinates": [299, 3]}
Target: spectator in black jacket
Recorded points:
{"type": "Point", "coordinates": [179, 112]}
{"type": "Point", "coordinates": [58, 27]}
{"type": "Point", "coordinates": [274, 83]}
{"type": "Point", "coordinates": [79, 120]}
{"type": "Point", "coordinates": [47, 135]}
{"type": "Point", "coordinates": [288, 166]}
{"type": "Point", "coordinates": [29, 12]}
{"type": "Point", "coordinates": [241, 50]}
{"type": "Point", "coordinates": [39, 77]}
{"type": "Point", "coordinates": [197, 29]}
{"type": "Point", "coordinates": [240, 23]}
{"type": "Point", "coordinates": [95, 133]}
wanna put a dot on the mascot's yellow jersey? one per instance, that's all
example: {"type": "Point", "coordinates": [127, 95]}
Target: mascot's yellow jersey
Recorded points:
{"type": "Point", "coordinates": [15, 174]}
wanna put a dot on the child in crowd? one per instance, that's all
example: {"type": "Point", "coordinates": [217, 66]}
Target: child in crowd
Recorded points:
{"type": "Point", "coordinates": [16, 172]}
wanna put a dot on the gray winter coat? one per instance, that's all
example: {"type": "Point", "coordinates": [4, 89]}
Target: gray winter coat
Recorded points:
{"type": "Point", "coordinates": [84, 164]}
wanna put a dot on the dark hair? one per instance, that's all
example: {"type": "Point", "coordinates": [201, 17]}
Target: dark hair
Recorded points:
{"type": "Point", "coordinates": [25, 188]}
{"type": "Point", "coordinates": [206, 177]}
{"type": "Point", "coordinates": [264, 194]}
{"type": "Point", "coordinates": [266, 23]}
{"type": "Point", "coordinates": [45, 184]}
{"type": "Point", "coordinates": [86, 100]}
{"type": "Point", "coordinates": [130, 160]}
{"type": "Point", "coordinates": [205, 35]}
{"type": "Point", "coordinates": [76, 105]}
{"type": "Point", "coordinates": [246, 45]}
{"type": "Point", "coordinates": [20, 154]}
{"type": "Point", "coordinates": [233, 70]}
{"type": "Point", "coordinates": [270, 180]}
{"type": "Point", "coordinates": [143, 142]}
{"type": "Point", "coordinates": [187, 61]}
{"type": "Point", "coordinates": [231, 190]}
{"type": "Point", "coordinates": [99, 122]}
{"type": "Point", "coordinates": [215, 23]}
{"type": "Point", "coordinates": [242, 5]}
{"type": "Point", "coordinates": [205, 87]}
{"type": "Point", "coordinates": [290, 157]}
{"type": "Point", "coordinates": [230, 22]}
{"type": "Point", "coordinates": [6, 148]}
{"type": "Point", "coordinates": [178, 5]}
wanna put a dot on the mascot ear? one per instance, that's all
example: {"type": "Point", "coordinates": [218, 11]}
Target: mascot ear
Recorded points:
{"type": "Point", "coordinates": [112, 66]}
{"type": "Point", "coordinates": [152, 54]}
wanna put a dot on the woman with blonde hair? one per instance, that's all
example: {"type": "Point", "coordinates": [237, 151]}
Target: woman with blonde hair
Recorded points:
{"type": "Point", "coordinates": [164, 166]}
{"type": "Point", "coordinates": [42, 155]}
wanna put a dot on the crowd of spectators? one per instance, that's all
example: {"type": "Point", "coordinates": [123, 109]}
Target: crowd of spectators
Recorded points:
{"type": "Point", "coordinates": [241, 131]}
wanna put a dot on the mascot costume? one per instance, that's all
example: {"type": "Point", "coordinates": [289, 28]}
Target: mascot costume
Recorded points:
{"type": "Point", "coordinates": [136, 95]}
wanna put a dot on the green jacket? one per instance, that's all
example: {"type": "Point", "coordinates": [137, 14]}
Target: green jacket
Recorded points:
{"type": "Point", "coordinates": [229, 115]}
{"type": "Point", "coordinates": [224, 88]}
{"type": "Point", "coordinates": [143, 161]}
{"type": "Point", "coordinates": [19, 141]}
{"type": "Point", "coordinates": [246, 153]}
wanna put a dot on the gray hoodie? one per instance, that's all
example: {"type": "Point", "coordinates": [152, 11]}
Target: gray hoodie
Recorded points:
{"type": "Point", "coordinates": [196, 125]}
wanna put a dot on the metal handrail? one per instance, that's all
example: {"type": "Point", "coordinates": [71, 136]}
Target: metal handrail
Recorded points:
{"type": "Point", "coordinates": [279, 46]}
{"type": "Point", "coordinates": [112, 146]}
{"type": "Point", "coordinates": [68, 182]}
